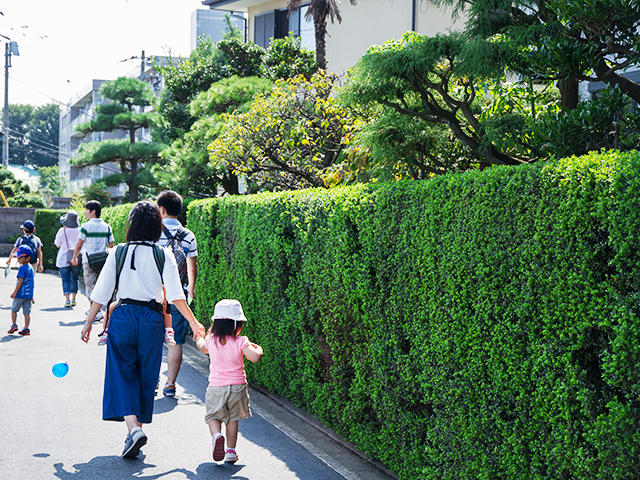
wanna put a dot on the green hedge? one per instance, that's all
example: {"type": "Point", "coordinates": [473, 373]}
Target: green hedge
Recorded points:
{"type": "Point", "coordinates": [47, 224]}
{"type": "Point", "coordinates": [117, 218]}
{"type": "Point", "coordinates": [476, 326]}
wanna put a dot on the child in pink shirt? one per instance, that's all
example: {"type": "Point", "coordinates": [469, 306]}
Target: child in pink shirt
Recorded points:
{"type": "Point", "coordinates": [227, 398]}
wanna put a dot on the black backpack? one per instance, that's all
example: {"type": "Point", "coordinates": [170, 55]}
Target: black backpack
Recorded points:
{"type": "Point", "coordinates": [175, 242]}
{"type": "Point", "coordinates": [28, 241]}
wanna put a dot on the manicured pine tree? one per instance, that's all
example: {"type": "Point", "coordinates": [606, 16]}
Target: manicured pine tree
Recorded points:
{"type": "Point", "coordinates": [119, 113]}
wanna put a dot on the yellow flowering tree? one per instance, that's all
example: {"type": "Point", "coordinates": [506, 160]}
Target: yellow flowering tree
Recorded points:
{"type": "Point", "coordinates": [292, 138]}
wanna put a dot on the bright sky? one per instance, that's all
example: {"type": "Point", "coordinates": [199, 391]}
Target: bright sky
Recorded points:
{"type": "Point", "coordinates": [64, 44]}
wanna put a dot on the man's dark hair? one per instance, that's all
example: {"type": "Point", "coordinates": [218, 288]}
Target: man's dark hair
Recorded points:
{"type": "Point", "coordinates": [171, 201]}
{"type": "Point", "coordinates": [145, 223]}
{"type": "Point", "coordinates": [94, 206]}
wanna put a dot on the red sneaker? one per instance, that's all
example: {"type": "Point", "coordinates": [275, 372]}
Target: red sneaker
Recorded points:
{"type": "Point", "coordinates": [14, 328]}
{"type": "Point", "coordinates": [24, 332]}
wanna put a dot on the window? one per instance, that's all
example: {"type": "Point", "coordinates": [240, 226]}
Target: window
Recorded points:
{"type": "Point", "coordinates": [278, 24]}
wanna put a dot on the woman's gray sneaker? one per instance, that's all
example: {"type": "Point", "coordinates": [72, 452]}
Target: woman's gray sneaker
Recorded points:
{"type": "Point", "coordinates": [134, 441]}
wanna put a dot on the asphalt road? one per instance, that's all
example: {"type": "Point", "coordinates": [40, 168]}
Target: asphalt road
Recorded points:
{"type": "Point", "coordinates": [52, 428]}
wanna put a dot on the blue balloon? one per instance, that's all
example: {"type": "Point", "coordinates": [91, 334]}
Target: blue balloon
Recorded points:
{"type": "Point", "coordinates": [60, 369]}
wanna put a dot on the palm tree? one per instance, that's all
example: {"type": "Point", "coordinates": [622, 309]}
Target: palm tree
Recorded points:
{"type": "Point", "coordinates": [319, 10]}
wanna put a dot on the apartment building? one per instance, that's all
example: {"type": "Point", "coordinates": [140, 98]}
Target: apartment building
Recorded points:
{"type": "Point", "coordinates": [370, 22]}
{"type": "Point", "coordinates": [81, 109]}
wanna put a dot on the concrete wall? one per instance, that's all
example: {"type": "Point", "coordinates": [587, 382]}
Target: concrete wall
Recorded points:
{"type": "Point", "coordinates": [11, 219]}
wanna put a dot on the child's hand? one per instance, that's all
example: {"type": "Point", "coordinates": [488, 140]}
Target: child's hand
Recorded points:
{"type": "Point", "coordinates": [13, 295]}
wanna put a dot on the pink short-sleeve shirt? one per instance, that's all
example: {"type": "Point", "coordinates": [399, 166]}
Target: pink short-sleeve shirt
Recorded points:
{"type": "Point", "coordinates": [227, 361]}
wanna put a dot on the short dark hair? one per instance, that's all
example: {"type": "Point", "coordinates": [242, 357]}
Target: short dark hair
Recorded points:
{"type": "Point", "coordinates": [145, 223]}
{"type": "Point", "coordinates": [171, 201]}
{"type": "Point", "coordinates": [94, 206]}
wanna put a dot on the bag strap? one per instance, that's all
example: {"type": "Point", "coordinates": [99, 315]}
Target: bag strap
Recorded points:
{"type": "Point", "coordinates": [167, 233]}
{"type": "Point", "coordinates": [121, 255]}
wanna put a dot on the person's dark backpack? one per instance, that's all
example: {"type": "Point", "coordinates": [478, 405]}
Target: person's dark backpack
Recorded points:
{"type": "Point", "coordinates": [175, 242]}
{"type": "Point", "coordinates": [28, 241]}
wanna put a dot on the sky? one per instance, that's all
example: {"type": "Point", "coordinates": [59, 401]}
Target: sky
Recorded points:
{"type": "Point", "coordinates": [64, 44]}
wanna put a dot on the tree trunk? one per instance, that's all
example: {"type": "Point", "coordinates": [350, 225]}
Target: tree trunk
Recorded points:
{"type": "Point", "coordinates": [631, 88]}
{"type": "Point", "coordinates": [321, 44]}
{"type": "Point", "coordinates": [569, 93]}
{"type": "Point", "coordinates": [230, 183]}
{"type": "Point", "coordinates": [133, 188]}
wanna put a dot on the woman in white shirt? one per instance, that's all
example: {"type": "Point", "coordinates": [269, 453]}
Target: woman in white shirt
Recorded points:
{"type": "Point", "coordinates": [136, 326]}
{"type": "Point", "coordinates": [66, 240]}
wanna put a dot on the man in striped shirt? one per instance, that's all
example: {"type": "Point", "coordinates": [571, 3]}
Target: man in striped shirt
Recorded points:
{"type": "Point", "coordinates": [95, 236]}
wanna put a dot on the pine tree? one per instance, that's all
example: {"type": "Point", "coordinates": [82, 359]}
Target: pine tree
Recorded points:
{"type": "Point", "coordinates": [118, 114]}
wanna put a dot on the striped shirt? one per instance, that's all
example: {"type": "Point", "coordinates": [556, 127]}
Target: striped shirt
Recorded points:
{"type": "Point", "coordinates": [188, 243]}
{"type": "Point", "coordinates": [96, 235]}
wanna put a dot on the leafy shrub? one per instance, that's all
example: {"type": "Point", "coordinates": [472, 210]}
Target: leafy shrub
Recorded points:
{"type": "Point", "coordinates": [285, 59]}
{"type": "Point", "coordinates": [482, 325]}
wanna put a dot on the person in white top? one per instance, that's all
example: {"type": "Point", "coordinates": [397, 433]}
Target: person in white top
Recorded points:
{"type": "Point", "coordinates": [136, 326]}
{"type": "Point", "coordinates": [66, 240]}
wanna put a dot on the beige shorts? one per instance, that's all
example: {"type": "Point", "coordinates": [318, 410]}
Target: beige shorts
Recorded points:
{"type": "Point", "coordinates": [90, 279]}
{"type": "Point", "coordinates": [227, 404]}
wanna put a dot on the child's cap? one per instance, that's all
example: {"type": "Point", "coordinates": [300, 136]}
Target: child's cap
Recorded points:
{"type": "Point", "coordinates": [29, 226]}
{"type": "Point", "coordinates": [230, 310]}
{"type": "Point", "coordinates": [24, 251]}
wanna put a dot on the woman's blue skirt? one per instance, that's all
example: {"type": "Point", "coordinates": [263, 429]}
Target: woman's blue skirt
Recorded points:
{"type": "Point", "coordinates": [134, 357]}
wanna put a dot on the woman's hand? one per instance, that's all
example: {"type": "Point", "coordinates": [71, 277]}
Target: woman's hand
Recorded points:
{"type": "Point", "coordinates": [86, 330]}
{"type": "Point", "coordinates": [198, 331]}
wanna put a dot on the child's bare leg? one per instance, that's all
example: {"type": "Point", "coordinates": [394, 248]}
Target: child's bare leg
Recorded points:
{"type": "Point", "coordinates": [66, 295]}
{"type": "Point", "coordinates": [27, 320]}
{"type": "Point", "coordinates": [232, 434]}
{"type": "Point", "coordinates": [215, 426]}
{"type": "Point", "coordinates": [14, 317]}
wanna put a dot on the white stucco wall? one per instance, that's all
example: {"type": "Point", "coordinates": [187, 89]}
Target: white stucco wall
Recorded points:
{"type": "Point", "coordinates": [370, 22]}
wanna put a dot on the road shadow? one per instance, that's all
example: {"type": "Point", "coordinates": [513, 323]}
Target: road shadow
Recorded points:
{"type": "Point", "coordinates": [192, 387]}
{"type": "Point", "coordinates": [223, 471]}
{"type": "Point", "coordinates": [97, 467]}
{"type": "Point", "coordinates": [9, 338]}
{"type": "Point", "coordinates": [71, 324]}
{"type": "Point", "coordinates": [54, 309]}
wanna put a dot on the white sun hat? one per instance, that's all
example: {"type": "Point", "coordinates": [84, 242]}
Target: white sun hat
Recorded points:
{"type": "Point", "coordinates": [230, 310]}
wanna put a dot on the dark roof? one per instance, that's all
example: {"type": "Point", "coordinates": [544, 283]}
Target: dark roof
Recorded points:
{"type": "Point", "coordinates": [217, 3]}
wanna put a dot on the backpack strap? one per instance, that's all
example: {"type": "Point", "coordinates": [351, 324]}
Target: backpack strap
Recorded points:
{"type": "Point", "coordinates": [121, 255]}
{"type": "Point", "coordinates": [158, 256]}
{"type": "Point", "coordinates": [167, 233]}
{"type": "Point", "coordinates": [181, 234]}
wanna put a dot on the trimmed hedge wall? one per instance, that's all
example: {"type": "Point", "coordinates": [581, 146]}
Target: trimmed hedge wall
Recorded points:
{"type": "Point", "coordinates": [476, 326]}
{"type": "Point", "coordinates": [47, 224]}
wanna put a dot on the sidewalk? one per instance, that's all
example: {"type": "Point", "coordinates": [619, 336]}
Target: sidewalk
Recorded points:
{"type": "Point", "coordinates": [52, 427]}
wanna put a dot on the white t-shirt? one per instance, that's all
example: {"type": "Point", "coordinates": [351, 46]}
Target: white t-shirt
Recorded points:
{"type": "Point", "coordinates": [66, 239]}
{"type": "Point", "coordinates": [144, 283]}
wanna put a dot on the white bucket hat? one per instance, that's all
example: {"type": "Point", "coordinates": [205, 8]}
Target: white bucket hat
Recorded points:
{"type": "Point", "coordinates": [230, 310]}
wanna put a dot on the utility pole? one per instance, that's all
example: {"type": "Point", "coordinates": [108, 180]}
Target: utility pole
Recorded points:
{"type": "Point", "coordinates": [10, 48]}
{"type": "Point", "coordinates": [142, 65]}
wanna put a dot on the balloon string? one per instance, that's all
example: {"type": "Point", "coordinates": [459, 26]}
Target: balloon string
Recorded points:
{"type": "Point", "coordinates": [72, 355]}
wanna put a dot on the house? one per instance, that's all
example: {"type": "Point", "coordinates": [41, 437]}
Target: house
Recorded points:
{"type": "Point", "coordinates": [81, 109]}
{"type": "Point", "coordinates": [211, 24]}
{"type": "Point", "coordinates": [370, 22]}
